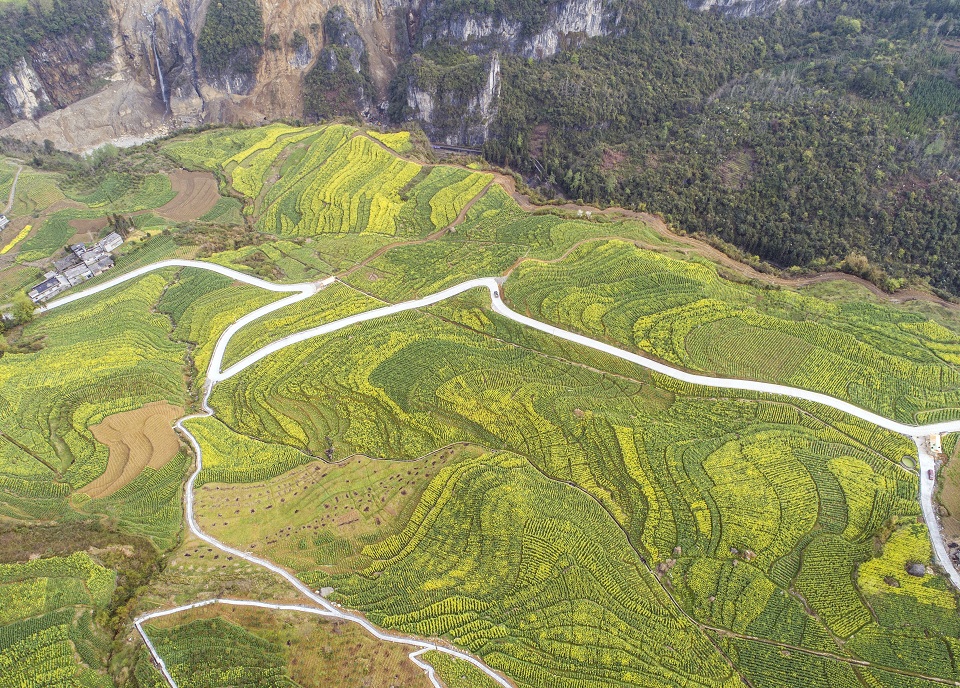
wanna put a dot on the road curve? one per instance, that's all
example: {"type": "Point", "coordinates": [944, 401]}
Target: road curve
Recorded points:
{"type": "Point", "coordinates": [305, 290]}
{"type": "Point", "coordinates": [175, 263]}
{"type": "Point", "coordinates": [414, 656]}
{"type": "Point", "coordinates": [328, 608]}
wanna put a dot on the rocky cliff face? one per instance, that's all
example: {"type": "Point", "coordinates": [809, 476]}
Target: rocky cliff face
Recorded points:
{"type": "Point", "coordinates": [457, 118]}
{"type": "Point", "coordinates": [52, 75]}
{"type": "Point", "coordinates": [155, 56]}
{"type": "Point", "coordinates": [456, 102]}
{"type": "Point", "coordinates": [567, 22]}
{"type": "Point", "coordinates": [23, 91]}
{"type": "Point", "coordinates": [155, 48]}
{"type": "Point", "coordinates": [739, 8]}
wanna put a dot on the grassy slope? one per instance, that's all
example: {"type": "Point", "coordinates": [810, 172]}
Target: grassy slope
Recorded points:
{"type": "Point", "coordinates": [275, 648]}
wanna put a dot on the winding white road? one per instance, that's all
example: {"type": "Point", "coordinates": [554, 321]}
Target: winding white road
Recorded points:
{"type": "Point", "coordinates": [299, 292]}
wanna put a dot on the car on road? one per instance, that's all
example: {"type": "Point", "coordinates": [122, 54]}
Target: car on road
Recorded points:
{"type": "Point", "coordinates": [496, 294]}
{"type": "Point", "coordinates": [930, 473]}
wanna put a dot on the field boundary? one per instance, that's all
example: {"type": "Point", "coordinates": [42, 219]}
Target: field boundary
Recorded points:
{"type": "Point", "coordinates": [493, 285]}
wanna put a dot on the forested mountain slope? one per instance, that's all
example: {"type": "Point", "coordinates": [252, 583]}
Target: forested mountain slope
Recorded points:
{"type": "Point", "coordinates": [815, 135]}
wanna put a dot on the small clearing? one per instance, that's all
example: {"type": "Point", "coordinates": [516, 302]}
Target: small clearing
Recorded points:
{"type": "Point", "coordinates": [137, 439]}
{"type": "Point", "coordinates": [197, 193]}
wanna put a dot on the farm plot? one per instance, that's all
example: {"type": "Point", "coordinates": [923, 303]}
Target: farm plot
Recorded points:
{"type": "Point", "coordinates": [36, 191]}
{"type": "Point", "coordinates": [335, 302]}
{"type": "Point", "coordinates": [250, 167]}
{"type": "Point", "coordinates": [55, 232]}
{"type": "Point", "coordinates": [137, 440]}
{"type": "Point", "coordinates": [124, 192]}
{"type": "Point", "coordinates": [886, 359]}
{"type": "Point", "coordinates": [319, 514]}
{"type": "Point", "coordinates": [196, 195]}
{"type": "Point", "coordinates": [47, 631]}
{"type": "Point", "coordinates": [202, 304]}
{"type": "Point", "coordinates": [495, 235]}
{"type": "Point", "coordinates": [744, 505]}
{"type": "Point", "coordinates": [95, 357]}
{"type": "Point", "coordinates": [209, 150]}
{"type": "Point", "coordinates": [398, 141]}
{"type": "Point", "coordinates": [216, 653]}
{"type": "Point", "coordinates": [311, 652]}
{"type": "Point", "coordinates": [356, 190]}
{"type": "Point", "coordinates": [347, 184]}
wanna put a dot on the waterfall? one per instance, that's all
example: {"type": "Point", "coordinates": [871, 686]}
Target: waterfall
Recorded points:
{"type": "Point", "coordinates": [163, 85]}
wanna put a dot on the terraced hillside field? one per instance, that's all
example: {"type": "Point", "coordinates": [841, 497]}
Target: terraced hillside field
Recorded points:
{"type": "Point", "coordinates": [48, 635]}
{"type": "Point", "coordinates": [566, 517]}
{"type": "Point", "coordinates": [895, 362]}
{"type": "Point", "coordinates": [609, 496]}
{"type": "Point", "coordinates": [226, 645]}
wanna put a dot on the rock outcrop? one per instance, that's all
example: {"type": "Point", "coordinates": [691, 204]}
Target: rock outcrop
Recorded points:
{"type": "Point", "coordinates": [739, 8]}
{"type": "Point", "coordinates": [566, 22]}
{"type": "Point", "coordinates": [23, 91]}
{"type": "Point", "coordinates": [455, 100]}
{"type": "Point", "coordinates": [467, 116]}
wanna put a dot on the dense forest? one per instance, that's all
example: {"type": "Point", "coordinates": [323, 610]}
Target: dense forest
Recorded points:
{"type": "Point", "coordinates": [339, 81]}
{"type": "Point", "coordinates": [23, 26]}
{"type": "Point", "coordinates": [811, 137]}
{"type": "Point", "coordinates": [231, 41]}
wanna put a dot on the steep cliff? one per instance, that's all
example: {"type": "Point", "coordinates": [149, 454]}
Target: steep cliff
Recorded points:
{"type": "Point", "coordinates": [452, 86]}
{"type": "Point", "coordinates": [741, 8]}
{"type": "Point", "coordinates": [51, 56]}
{"type": "Point", "coordinates": [339, 82]}
{"type": "Point", "coordinates": [563, 24]}
{"type": "Point", "coordinates": [435, 61]}
{"type": "Point", "coordinates": [456, 104]}
{"type": "Point", "coordinates": [23, 91]}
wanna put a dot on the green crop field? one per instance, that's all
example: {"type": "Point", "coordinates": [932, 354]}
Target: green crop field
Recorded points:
{"type": "Point", "coordinates": [224, 645]}
{"type": "Point", "coordinates": [568, 517]}
{"type": "Point", "coordinates": [456, 673]}
{"type": "Point", "coordinates": [47, 632]}
{"type": "Point", "coordinates": [96, 357]}
{"type": "Point", "coordinates": [210, 653]}
{"type": "Point", "coordinates": [133, 345]}
{"type": "Point", "coordinates": [202, 304]}
{"type": "Point", "coordinates": [335, 302]}
{"type": "Point", "coordinates": [899, 364]}
{"type": "Point", "coordinates": [398, 141]}
{"type": "Point", "coordinates": [754, 515]}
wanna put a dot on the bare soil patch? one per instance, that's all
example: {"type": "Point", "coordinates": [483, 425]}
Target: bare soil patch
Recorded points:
{"type": "Point", "coordinates": [196, 195]}
{"type": "Point", "coordinates": [93, 224]}
{"type": "Point", "coordinates": [137, 439]}
{"type": "Point", "coordinates": [87, 229]}
{"type": "Point", "coordinates": [612, 159]}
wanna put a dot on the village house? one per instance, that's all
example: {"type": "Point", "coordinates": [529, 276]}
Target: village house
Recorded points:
{"type": "Point", "coordinates": [80, 264]}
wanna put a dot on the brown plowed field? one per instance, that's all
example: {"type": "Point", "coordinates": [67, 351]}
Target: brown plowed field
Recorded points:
{"type": "Point", "coordinates": [196, 195]}
{"type": "Point", "coordinates": [136, 439]}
